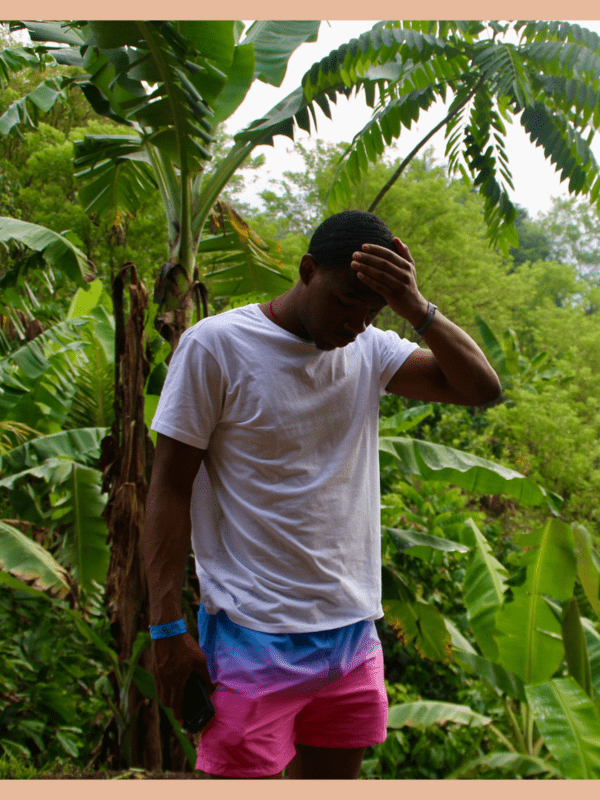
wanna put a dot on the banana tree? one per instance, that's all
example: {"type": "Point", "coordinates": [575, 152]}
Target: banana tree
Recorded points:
{"type": "Point", "coordinates": [170, 84]}
{"type": "Point", "coordinates": [414, 620]}
{"type": "Point", "coordinates": [528, 639]}
{"type": "Point", "coordinates": [529, 633]}
{"type": "Point", "coordinates": [46, 255]}
{"type": "Point", "coordinates": [51, 484]}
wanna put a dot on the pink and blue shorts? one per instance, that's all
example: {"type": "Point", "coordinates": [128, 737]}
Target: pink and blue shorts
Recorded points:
{"type": "Point", "coordinates": [274, 691]}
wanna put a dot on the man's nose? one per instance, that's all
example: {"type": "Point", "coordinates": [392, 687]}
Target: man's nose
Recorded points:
{"type": "Point", "coordinates": [356, 326]}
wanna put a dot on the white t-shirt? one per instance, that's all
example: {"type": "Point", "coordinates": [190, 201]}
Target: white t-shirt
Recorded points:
{"type": "Point", "coordinates": [285, 509]}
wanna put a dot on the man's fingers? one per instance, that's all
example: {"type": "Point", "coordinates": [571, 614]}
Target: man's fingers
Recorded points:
{"type": "Point", "coordinates": [392, 276]}
{"type": "Point", "coordinates": [385, 259]}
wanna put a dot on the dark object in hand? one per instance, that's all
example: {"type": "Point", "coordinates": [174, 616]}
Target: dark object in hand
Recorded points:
{"type": "Point", "coordinates": [196, 707]}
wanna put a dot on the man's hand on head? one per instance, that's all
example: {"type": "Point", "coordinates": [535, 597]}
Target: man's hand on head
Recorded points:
{"type": "Point", "coordinates": [394, 276]}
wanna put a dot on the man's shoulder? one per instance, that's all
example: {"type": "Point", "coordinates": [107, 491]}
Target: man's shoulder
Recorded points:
{"type": "Point", "coordinates": [378, 336]}
{"type": "Point", "coordinates": [230, 320]}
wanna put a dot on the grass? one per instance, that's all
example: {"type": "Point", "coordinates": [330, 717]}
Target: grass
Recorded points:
{"type": "Point", "coordinates": [14, 768]}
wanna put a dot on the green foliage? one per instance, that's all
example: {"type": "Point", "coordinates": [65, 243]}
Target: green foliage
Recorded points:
{"type": "Point", "coordinates": [62, 496]}
{"type": "Point", "coordinates": [415, 752]}
{"type": "Point", "coordinates": [512, 367]}
{"type": "Point", "coordinates": [459, 595]}
{"type": "Point", "coordinates": [433, 461]}
{"type": "Point", "coordinates": [167, 84]}
{"type": "Point", "coordinates": [534, 242]}
{"type": "Point", "coordinates": [42, 188]}
{"type": "Point", "coordinates": [554, 434]}
{"type": "Point", "coordinates": [570, 725]}
{"type": "Point", "coordinates": [242, 262]}
{"type": "Point", "coordinates": [62, 378]}
{"type": "Point", "coordinates": [404, 66]}
{"type": "Point", "coordinates": [50, 708]}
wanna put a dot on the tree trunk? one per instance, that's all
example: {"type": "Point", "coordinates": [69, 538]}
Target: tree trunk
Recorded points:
{"type": "Point", "coordinates": [176, 294]}
{"type": "Point", "coordinates": [126, 462]}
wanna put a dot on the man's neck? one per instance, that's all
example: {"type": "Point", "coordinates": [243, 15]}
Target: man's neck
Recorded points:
{"type": "Point", "coordinates": [282, 311]}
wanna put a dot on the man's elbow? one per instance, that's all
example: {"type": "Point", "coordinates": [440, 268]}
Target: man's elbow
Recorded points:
{"type": "Point", "coordinates": [487, 393]}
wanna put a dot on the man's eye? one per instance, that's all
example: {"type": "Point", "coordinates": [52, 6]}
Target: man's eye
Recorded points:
{"type": "Point", "coordinates": [344, 305]}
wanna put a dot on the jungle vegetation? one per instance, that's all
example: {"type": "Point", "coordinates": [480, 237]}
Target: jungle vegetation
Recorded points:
{"type": "Point", "coordinates": [122, 223]}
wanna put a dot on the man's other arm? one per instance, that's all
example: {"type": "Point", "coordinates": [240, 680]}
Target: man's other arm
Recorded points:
{"type": "Point", "coordinates": [167, 543]}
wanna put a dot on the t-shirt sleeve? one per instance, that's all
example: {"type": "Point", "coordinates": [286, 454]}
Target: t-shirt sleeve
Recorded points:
{"type": "Point", "coordinates": [393, 352]}
{"type": "Point", "coordinates": [191, 400]}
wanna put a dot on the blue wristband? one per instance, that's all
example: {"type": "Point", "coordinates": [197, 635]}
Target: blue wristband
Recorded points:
{"type": "Point", "coordinates": [168, 629]}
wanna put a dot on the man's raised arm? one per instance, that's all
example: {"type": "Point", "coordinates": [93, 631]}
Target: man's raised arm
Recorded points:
{"type": "Point", "coordinates": [454, 370]}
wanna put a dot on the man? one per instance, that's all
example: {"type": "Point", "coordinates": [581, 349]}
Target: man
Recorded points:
{"type": "Point", "coordinates": [267, 460]}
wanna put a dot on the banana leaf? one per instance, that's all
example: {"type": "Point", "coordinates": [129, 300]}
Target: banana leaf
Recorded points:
{"type": "Point", "coordinates": [38, 380]}
{"type": "Point", "coordinates": [549, 555]}
{"type": "Point", "coordinates": [569, 723]}
{"type": "Point", "coordinates": [437, 462]}
{"type": "Point", "coordinates": [81, 444]}
{"type": "Point", "coordinates": [84, 301]}
{"type": "Point", "coordinates": [6, 579]}
{"type": "Point", "coordinates": [457, 639]}
{"type": "Point", "coordinates": [432, 712]}
{"type": "Point", "coordinates": [52, 471]}
{"type": "Point", "coordinates": [422, 544]}
{"type": "Point", "coordinates": [274, 42]}
{"type": "Point", "coordinates": [48, 247]}
{"type": "Point", "coordinates": [27, 560]}
{"type": "Point", "coordinates": [576, 652]}
{"type": "Point", "coordinates": [85, 548]}
{"type": "Point", "coordinates": [528, 634]}
{"type": "Point", "coordinates": [495, 675]}
{"type": "Point", "coordinates": [93, 401]}
{"type": "Point", "coordinates": [514, 764]}
{"type": "Point", "coordinates": [33, 358]}
{"type": "Point", "coordinates": [484, 587]}
{"type": "Point", "coordinates": [115, 172]}
{"type": "Point", "coordinates": [529, 638]}
{"type": "Point", "coordinates": [406, 419]}
{"type": "Point", "coordinates": [587, 566]}
{"type": "Point", "coordinates": [80, 623]}
{"type": "Point", "coordinates": [78, 510]}
{"type": "Point", "coordinates": [592, 641]}
{"type": "Point", "coordinates": [491, 344]}
{"type": "Point", "coordinates": [14, 59]}
{"type": "Point", "coordinates": [242, 263]}
{"type": "Point", "coordinates": [413, 620]}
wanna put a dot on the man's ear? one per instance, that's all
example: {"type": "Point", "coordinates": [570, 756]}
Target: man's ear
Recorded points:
{"type": "Point", "coordinates": [308, 268]}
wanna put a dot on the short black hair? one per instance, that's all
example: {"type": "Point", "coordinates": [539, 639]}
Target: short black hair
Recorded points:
{"type": "Point", "coordinates": [339, 236]}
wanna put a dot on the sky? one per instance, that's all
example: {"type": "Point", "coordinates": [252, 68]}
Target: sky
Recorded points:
{"type": "Point", "coordinates": [534, 178]}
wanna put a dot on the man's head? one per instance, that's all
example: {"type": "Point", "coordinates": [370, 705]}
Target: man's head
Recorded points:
{"type": "Point", "coordinates": [333, 305]}
{"type": "Point", "coordinates": [339, 236]}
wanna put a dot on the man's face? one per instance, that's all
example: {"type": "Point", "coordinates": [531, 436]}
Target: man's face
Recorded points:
{"type": "Point", "coordinates": [337, 307]}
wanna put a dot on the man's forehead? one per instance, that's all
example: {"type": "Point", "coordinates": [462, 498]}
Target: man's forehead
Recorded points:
{"type": "Point", "coordinates": [352, 288]}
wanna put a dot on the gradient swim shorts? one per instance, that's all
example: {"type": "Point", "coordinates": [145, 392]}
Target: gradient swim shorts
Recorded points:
{"type": "Point", "coordinates": [275, 690]}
